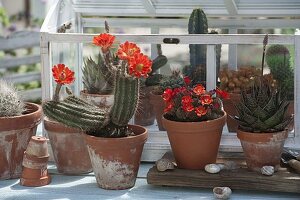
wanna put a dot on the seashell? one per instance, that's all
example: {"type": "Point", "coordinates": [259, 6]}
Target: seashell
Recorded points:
{"type": "Point", "coordinates": [164, 164]}
{"type": "Point", "coordinates": [212, 168]}
{"type": "Point", "coordinates": [222, 192]}
{"type": "Point", "coordinates": [267, 170]}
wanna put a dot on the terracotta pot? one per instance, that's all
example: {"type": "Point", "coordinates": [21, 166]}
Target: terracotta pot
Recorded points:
{"type": "Point", "coordinates": [145, 115]}
{"type": "Point", "coordinates": [35, 161]}
{"type": "Point", "coordinates": [262, 149]}
{"type": "Point", "coordinates": [229, 108]}
{"type": "Point", "coordinates": [116, 160]}
{"type": "Point", "coordinates": [195, 144]}
{"type": "Point", "coordinates": [158, 107]}
{"type": "Point", "coordinates": [15, 133]}
{"type": "Point", "coordinates": [102, 101]}
{"type": "Point", "coordinates": [69, 149]}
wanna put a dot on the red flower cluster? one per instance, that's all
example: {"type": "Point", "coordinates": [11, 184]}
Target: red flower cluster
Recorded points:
{"type": "Point", "coordinates": [192, 102]}
{"type": "Point", "coordinates": [139, 65]}
{"type": "Point", "coordinates": [62, 74]}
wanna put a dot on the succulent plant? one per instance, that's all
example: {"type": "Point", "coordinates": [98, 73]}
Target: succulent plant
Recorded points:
{"type": "Point", "coordinates": [278, 60]}
{"type": "Point", "coordinates": [102, 122]}
{"type": "Point", "coordinates": [10, 102]}
{"type": "Point", "coordinates": [97, 79]}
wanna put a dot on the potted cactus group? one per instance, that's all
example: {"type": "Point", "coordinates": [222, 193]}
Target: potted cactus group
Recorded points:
{"type": "Point", "coordinates": [19, 122]}
{"type": "Point", "coordinates": [114, 147]}
{"type": "Point", "coordinates": [262, 122]}
{"type": "Point", "coordinates": [194, 120]}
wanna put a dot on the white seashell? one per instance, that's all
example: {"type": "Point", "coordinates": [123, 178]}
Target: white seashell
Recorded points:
{"type": "Point", "coordinates": [212, 168]}
{"type": "Point", "coordinates": [164, 164]}
{"type": "Point", "coordinates": [267, 170]}
{"type": "Point", "coordinates": [222, 192]}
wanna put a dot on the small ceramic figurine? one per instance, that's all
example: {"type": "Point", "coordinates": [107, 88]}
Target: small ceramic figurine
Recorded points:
{"type": "Point", "coordinates": [164, 164]}
{"type": "Point", "coordinates": [213, 168]}
{"type": "Point", "coordinates": [222, 192]}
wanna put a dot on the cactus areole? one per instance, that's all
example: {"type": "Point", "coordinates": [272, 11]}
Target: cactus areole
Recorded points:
{"type": "Point", "coordinates": [75, 112]}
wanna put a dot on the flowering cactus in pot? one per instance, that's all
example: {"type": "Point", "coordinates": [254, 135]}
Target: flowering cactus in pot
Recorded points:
{"type": "Point", "coordinates": [110, 140]}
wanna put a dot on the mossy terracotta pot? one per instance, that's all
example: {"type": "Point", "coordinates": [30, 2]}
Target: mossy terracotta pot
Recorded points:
{"type": "Point", "coordinates": [102, 101]}
{"type": "Point", "coordinates": [144, 115]}
{"type": "Point", "coordinates": [158, 108]}
{"type": "Point", "coordinates": [195, 144]}
{"type": "Point", "coordinates": [261, 149]}
{"type": "Point", "coordinates": [116, 160]}
{"type": "Point", "coordinates": [15, 134]}
{"type": "Point", "coordinates": [229, 108]}
{"type": "Point", "coordinates": [69, 149]}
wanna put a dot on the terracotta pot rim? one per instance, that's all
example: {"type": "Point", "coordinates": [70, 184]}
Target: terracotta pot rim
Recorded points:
{"type": "Point", "coordinates": [84, 92]}
{"type": "Point", "coordinates": [143, 134]}
{"type": "Point", "coordinates": [51, 125]}
{"type": "Point", "coordinates": [29, 119]}
{"type": "Point", "coordinates": [208, 122]}
{"type": "Point", "coordinates": [260, 137]}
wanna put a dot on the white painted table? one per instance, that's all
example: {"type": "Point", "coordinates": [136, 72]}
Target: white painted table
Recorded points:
{"type": "Point", "coordinates": [84, 187]}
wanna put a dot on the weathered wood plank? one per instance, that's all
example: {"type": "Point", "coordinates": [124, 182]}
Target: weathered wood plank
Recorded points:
{"type": "Point", "coordinates": [23, 39]}
{"type": "Point", "coordinates": [13, 62]}
{"type": "Point", "coordinates": [281, 181]}
{"type": "Point", "coordinates": [31, 94]}
{"type": "Point", "coordinates": [23, 78]}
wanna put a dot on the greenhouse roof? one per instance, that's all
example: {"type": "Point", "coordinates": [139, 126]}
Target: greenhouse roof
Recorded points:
{"type": "Point", "coordinates": [177, 8]}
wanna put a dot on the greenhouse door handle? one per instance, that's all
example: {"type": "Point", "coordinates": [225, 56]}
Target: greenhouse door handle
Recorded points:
{"type": "Point", "coordinates": [171, 40]}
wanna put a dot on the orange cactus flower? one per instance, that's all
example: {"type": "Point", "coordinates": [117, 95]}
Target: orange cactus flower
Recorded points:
{"type": "Point", "coordinates": [140, 65]}
{"type": "Point", "coordinates": [186, 100]}
{"type": "Point", "coordinates": [199, 89]}
{"type": "Point", "coordinates": [167, 95]}
{"type": "Point", "coordinates": [169, 107]}
{"type": "Point", "coordinates": [188, 107]}
{"type": "Point", "coordinates": [206, 99]}
{"type": "Point", "coordinates": [104, 40]}
{"type": "Point", "coordinates": [62, 74]}
{"type": "Point", "coordinates": [128, 50]}
{"type": "Point", "coordinates": [223, 94]}
{"type": "Point", "coordinates": [200, 111]}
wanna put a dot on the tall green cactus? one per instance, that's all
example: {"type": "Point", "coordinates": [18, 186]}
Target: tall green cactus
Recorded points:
{"type": "Point", "coordinates": [278, 60]}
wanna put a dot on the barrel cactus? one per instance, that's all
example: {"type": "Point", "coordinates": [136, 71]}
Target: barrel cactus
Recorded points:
{"type": "Point", "coordinates": [10, 101]}
{"type": "Point", "coordinates": [127, 71]}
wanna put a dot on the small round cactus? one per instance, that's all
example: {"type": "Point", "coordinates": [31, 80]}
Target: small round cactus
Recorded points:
{"type": "Point", "coordinates": [10, 102]}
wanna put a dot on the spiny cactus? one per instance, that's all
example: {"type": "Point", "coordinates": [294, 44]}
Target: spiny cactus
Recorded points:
{"type": "Point", "coordinates": [97, 79]}
{"type": "Point", "coordinates": [278, 60]}
{"type": "Point", "coordinates": [10, 102]}
{"type": "Point", "coordinates": [262, 110]}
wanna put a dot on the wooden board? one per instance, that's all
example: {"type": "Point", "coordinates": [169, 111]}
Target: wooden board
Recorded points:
{"type": "Point", "coordinates": [281, 181]}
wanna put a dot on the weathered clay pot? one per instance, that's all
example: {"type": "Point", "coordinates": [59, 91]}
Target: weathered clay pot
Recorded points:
{"type": "Point", "coordinates": [145, 115]}
{"type": "Point", "coordinates": [195, 144]}
{"type": "Point", "coordinates": [15, 133]}
{"type": "Point", "coordinates": [116, 160]}
{"type": "Point", "coordinates": [158, 107]}
{"type": "Point", "coordinates": [261, 149]}
{"type": "Point", "coordinates": [229, 108]}
{"type": "Point", "coordinates": [102, 101]}
{"type": "Point", "coordinates": [35, 161]}
{"type": "Point", "coordinates": [69, 149]}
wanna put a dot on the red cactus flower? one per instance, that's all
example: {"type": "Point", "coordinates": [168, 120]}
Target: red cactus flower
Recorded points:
{"type": "Point", "coordinates": [169, 107]}
{"type": "Point", "coordinates": [186, 100]}
{"type": "Point", "coordinates": [62, 74]}
{"type": "Point", "coordinates": [199, 89]}
{"type": "Point", "coordinates": [206, 99]}
{"type": "Point", "coordinates": [200, 111]}
{"type": "Point", "coordinates": [167, 95]}
{"type": "Point", "coordinates": [222, 94]}
{"type": "Point", "coordinates": [187, 80]}
{"type": "Point", "coordinates": [104, 40]}
{"type": "Point", "coordinates": [128, 50]}
{"type": "Point", "coordinates": [188, 107]}
{"type": "Point", "coordinates": [140, 65]}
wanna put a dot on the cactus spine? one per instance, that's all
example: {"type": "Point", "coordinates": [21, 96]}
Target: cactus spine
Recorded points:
{"type": "Point", "coordinates": [10, 102]}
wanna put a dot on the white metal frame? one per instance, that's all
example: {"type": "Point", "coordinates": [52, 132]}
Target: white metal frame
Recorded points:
{"type": "Point", "coordinates": [158, 142]}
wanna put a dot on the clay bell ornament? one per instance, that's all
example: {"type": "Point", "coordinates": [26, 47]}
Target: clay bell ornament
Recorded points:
{"type": "Point", "coordinates": [35, 172]}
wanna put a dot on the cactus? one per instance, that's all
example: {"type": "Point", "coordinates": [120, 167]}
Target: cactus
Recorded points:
{"type": "Point", "coordinates": [10, 102]}
{"type": "Point", "coordinates": [96, 77]}
{"type": "Point", "coordinates": [102, 122]}
{"type": "Point", "coordinates": [278, 60]}
{"type": "Point", "coordinates": [197, 69]}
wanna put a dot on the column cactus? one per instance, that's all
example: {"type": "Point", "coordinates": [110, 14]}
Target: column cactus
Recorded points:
{"type": "Point", "coordinates": [77, 113]}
